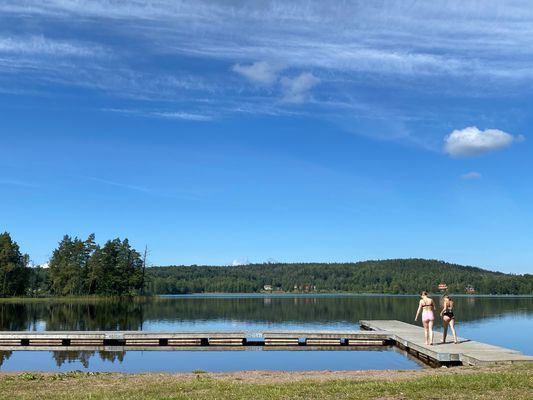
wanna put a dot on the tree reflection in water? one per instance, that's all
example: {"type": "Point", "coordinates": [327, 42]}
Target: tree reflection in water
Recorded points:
{"type": "Point", "coordinates": [132, 314]}
{"type": "Point", "coordinates": [178, 313]}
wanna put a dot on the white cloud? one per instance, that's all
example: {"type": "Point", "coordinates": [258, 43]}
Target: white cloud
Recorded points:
{"type": "Point", "coordinates": [345, 43]}
{"type": "Point", "coordinates": [260, 72]}
{"type": "Point", "coordinates": [471, 175]}
{"type": "Point", "coordinates": [182, 116]}
{"type": "Point", "coordinates": [296, 90]}
{"type": "Point", "coordinates": [238, 262]}
{"type": "Point", "coordinates": [471, 141]}
{"type": "Point", "coordinates": [40, 45]}
{"type": "Point", "coordinates": [179, 115]}
{"type": "Point", "coordinates": [356, 36]}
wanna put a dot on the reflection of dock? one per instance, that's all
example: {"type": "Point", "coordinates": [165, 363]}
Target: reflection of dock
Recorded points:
{"type": "Point", "coordinates": [411, 338]}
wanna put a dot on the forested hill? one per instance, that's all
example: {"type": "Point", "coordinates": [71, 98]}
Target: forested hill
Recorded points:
{"type": "Point", "coordinates": [382, 276]}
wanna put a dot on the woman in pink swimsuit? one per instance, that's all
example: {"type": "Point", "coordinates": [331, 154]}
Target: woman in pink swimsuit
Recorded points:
{"type": "Point", "coordinates": [427, 306]}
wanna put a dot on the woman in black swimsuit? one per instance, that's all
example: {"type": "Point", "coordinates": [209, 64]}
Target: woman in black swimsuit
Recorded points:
{"type": "Point", "coordinates": [448, 318]}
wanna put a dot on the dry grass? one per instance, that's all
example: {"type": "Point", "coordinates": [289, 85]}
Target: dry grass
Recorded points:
{"type": "Point", "coordinates": [504, 382]}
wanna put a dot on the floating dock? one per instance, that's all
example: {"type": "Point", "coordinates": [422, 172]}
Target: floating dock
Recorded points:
{"type": "Point", "coordinates": [407, 337]}
{"type": "Point", "coordinates": [467, 352]}
{"type": "Point", "coordinates": [146, 340]}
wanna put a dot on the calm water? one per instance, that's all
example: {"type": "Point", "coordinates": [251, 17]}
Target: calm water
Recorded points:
{"type": "Point", "coordinates": [503, 321]}
{"type": "Point", "coordinates": [214, 361]}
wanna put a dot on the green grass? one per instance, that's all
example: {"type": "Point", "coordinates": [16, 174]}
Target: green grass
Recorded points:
{"type": "Point", "coordinates": [515, 382]}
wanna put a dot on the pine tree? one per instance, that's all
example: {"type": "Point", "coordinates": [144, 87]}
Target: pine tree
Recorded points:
{"type": "Point", "coordinates": [14, 271]}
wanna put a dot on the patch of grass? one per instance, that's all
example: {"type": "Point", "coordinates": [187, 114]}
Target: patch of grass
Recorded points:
{"type": "Point", "coordinates": [513, 382]}
{"type": "Point", "coordinates": [28, 376]}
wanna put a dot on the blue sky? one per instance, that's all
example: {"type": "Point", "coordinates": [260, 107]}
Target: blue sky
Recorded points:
{"type": "Point", "coordinates": [227, 131]}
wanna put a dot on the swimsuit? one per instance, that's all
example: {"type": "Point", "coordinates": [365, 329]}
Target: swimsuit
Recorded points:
{"type": "Point", "coordinates": [427, 315]}
{"type": "Point", "coordinates": [448, 313]}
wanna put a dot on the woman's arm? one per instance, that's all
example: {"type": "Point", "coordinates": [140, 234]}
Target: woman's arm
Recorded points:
{"type": "Point", "coordinates": [419, 308]}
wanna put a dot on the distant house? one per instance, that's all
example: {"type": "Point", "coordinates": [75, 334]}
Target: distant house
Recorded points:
{"type": "Point", "coordinates": [470, 289]}
{"type": "Point", "coordinates": [268, 288]}
{"type": "Point", "coordinates": [442, 286]}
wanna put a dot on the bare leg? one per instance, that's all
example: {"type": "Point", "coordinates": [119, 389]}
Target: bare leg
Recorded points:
{"type": "Point", "coordinates": [445, 322]}
{"type": "Point", "coordinates": [452, 326]}
{"type": "Point", "coordinates": [426, 331]}
{"type": "Point", "coordinates": [430, 326]}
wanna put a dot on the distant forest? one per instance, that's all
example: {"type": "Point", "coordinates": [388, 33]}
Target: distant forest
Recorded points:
{"type": "Point", "coordinates": [83, 268]}
{"type": "Point", "coordinates": [381, 276]}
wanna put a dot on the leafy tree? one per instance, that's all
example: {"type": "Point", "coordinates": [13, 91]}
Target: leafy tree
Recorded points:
{"type": "Point", "coordinates": [14, 271]}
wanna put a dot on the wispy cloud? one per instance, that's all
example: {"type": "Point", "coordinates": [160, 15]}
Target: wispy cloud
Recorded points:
{"type": "Point", "coordinates": [183, 116]}
{"type": "Point", "coordinates": [167, 192]}
{"type": "Point", "coordinates": [122, 185]}
{"type": "Point", "coordinates": [40, 45]}
{"type": "Point", "coordinates": [358, 37]}
{"type": "Point", "coordinates": [296, 90]}
{"type": "Point", "coordinates": [260, 72]}
{"type": "Point", "coordinates": [15, 182]}
{"type": "Point", "coordinates": [178, 115]}
{"type": "Point", "coordinates": [471, 141]}
{"type": "Point", "coordinates": [179, 53]}
{"type": "Point", "coordinates": [471, 176]}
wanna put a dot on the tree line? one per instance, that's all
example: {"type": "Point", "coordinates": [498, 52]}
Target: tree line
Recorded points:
{"type": "Point", "coordinates": [80, 267]}
{"type": "Point", "coordinates": [380, 276]}
{"type": "Point", "coordinates": [77, 268]}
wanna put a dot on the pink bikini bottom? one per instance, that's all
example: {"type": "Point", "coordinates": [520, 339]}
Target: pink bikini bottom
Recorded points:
{"type": "Point", "coordinates": [427, 316]}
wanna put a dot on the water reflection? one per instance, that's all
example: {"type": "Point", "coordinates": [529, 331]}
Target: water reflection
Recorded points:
{"type": "Point", "coordinates": [176, 313]}
{"type": "Point", "coordinates": [212, 361]}
{"type": "Point", "coordinates": [503, 321]}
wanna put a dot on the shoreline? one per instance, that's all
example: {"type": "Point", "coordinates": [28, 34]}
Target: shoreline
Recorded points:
{"type": "Point", "coordinates": [494, 382]}
{"type": "Point", "coordinates": [271, 376]}
{"type": "Point", "coordinates": [245, 295]}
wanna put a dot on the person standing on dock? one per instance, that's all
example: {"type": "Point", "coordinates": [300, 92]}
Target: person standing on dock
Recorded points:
{"type": "Point", "coordinates": [448, 318]}
{"type": "Point", "coordinates": [427, 306]}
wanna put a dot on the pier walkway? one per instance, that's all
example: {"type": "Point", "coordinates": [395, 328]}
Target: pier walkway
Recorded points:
{"type": "Point", "coordinates": [375, 334]}
{"type": "Point", "coordinates": [411, 338]}
{"type": "Point", "coordinates": [147, 340]}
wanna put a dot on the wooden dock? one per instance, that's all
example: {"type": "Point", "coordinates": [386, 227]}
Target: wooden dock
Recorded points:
{"type": "Point", "coordinates": [143, 340]}
{"type": "Point", "coordinates": [375, 334]}
{"type": "Point", "coordinates": [411, 338]}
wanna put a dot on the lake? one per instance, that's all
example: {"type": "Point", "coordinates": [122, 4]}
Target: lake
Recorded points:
{"type": "Point", "coordinates": [503, 321]}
